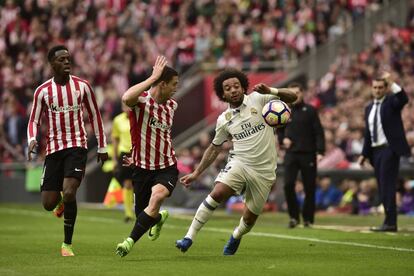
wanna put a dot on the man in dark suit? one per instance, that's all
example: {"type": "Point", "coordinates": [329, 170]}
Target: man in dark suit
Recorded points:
{"type": "Point", "coordinates": [385, 143]}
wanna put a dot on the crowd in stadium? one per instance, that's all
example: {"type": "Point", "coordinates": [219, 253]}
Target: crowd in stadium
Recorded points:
{"type": "Point", "coordinates": [114, 44]}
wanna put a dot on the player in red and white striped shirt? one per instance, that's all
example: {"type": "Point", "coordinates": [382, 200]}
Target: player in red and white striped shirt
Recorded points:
{"type": "Point", "coordinates": [151, 133]}
{"type": "Point", "coordinates": [61, 100]}
{"type": "Point", "coordinates": [155, 172]}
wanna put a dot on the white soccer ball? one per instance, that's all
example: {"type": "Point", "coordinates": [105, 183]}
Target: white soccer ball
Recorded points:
{"type": "Point", "coordinates": [276, 113]}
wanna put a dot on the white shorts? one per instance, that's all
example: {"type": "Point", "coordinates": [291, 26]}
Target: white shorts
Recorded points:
{"type": "Point", "coordinates": [247, 181]}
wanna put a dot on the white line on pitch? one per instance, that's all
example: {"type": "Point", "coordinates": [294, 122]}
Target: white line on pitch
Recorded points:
{"type": "Point", "coordinates": [218, 230]}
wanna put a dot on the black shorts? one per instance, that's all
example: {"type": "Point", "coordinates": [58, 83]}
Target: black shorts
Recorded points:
{"type": "Point", "coordinates": [143, 181]}
{"type": "Point", "coordinates": [69, 162]}
{"type": "Point", "coordinates": [123, 173]}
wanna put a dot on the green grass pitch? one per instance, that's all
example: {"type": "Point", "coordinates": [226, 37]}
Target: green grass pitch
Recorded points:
{"type": "Point", "coordinates": [30, 240]}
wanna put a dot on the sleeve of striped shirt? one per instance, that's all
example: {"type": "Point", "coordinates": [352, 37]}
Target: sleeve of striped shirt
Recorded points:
{"type": "Point", "coordinates": [95, 117]}
{"type": "Point", "coordinates": [35, 114]}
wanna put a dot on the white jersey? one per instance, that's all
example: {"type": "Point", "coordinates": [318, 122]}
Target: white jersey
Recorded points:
{"type": "Point", "coordinates": [254, 142]}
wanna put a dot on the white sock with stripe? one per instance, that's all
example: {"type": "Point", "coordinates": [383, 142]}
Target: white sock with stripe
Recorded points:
{"type": "Point", "coordinates": [203, 214]}
{"type": "Point", "coordinates": [242, 229]}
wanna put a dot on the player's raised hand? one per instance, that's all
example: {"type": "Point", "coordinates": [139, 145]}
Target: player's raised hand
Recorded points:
{"type": "Point", "coordinates": [187, 179]}
{"type": "Point", "coordinates": [262, 88]}
{"type": "Point", "coordinates": [387, 77]}
{"type": "Point", "coordinates": [158, 67]}
{"type": "Point", "coordinates": [32, 147]}
{"type": "Point", "coordinates": [102, 157]}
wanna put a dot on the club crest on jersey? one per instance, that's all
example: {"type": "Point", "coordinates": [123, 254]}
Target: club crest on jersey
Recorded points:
{"type": "Point", "coordinates": [78, 93]}
{"type": "Point", "coordinates": [228, 116]}
{"type": "Point", "coordinates": [253, 111]}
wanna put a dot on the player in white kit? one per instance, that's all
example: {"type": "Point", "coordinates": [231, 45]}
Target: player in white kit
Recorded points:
{"type": "Point", "coordinates": [251, 167]}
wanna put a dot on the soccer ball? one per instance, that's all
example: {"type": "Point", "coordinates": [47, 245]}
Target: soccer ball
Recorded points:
{"type": "Point", "coordinates": [276, 113]}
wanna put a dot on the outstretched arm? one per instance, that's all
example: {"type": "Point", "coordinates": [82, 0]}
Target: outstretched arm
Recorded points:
{"type": "Point", "coordinates": [130, 97]}
{"type": "Point", "coordinates": [285, 94]}
{"type": "Point", "coordinates": [209, 156]}
{"type": "Point", "coordinates": [400, 97]}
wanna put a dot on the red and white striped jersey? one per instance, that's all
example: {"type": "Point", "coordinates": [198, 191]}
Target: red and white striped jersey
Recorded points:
{"type": "Point", "coordinates": [62, 106]}
{"type": "Point", "coordinates": [151, 133]}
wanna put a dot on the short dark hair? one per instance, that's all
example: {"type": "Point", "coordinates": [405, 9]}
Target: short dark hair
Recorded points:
{"type": "Point", "coordinates": [296, 85]}
{"type": "Point", "coordinates": [53, 50]}
{"type": "Point", "coordinates": [167, 74]}
{"type": "Point", "coordinates": [379, 77]}
{"type": "Point", "coordinates": [228, 74]}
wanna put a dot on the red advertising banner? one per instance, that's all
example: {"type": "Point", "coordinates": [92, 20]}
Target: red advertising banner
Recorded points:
{"type": "Point", "coordinates": [213, 107]}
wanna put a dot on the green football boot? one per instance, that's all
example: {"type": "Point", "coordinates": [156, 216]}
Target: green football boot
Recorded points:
{"type": "Point", "coordinates": [155, 230]}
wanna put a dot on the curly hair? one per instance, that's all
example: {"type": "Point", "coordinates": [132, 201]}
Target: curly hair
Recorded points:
{"type": "Point", "coordinates": [228, 74]}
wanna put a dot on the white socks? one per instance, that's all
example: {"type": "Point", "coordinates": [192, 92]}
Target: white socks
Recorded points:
{"type": "Point", "coordinates": [242, 229]}
{"type": "Point", "coordinates": [203, 214]}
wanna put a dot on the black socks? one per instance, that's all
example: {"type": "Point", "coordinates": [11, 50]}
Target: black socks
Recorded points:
{"type": "Point", "coordinates": [69, 215]}
{"type": "Point", "coordinates": [142, 224]}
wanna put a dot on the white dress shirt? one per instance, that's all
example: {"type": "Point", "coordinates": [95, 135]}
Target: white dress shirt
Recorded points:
{"type": "Point", "coordinates": [381, 139]}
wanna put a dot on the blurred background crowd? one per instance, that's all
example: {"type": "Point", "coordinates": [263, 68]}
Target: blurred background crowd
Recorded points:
{"type": "Point", "coordinates": [114, 43]}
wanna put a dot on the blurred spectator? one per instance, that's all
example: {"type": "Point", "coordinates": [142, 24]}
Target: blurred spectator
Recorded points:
{"type": "Point", "coordinates": [349, 201]}
{"type": "Point", "coordinates": [184, 161]}
{"type": "Point", "coordinates": [15, 122]}
{"type": "Point", "coordinates": [327, 195]}
{"type": "Point", "coordinates": [334, 157]}
{"type": "Point", "coordinates": [367, 197]}
{"type": "Point", "coordinates": [405, 198]}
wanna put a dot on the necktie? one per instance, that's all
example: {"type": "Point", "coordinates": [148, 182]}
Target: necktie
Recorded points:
{"type": "Point", "coordinates": [375, 134]}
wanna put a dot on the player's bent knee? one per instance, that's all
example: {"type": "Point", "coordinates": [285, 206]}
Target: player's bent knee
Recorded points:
{"type": "Point", "coordinates": [160, 191]}
{"type": "Point", "coordinates": [49, 206]}
{"type": "Point", "coordinates": [50, 199]}
{"type": "Point", "coordinates": [221, 192]}
{"type": "Point", "coordinates": [158, 197]}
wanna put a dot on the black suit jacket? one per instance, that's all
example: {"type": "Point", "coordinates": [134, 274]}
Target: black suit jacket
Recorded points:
{"type": "Point", "coordinates": [392, 125]}
{"type": "Point", "coordinates": [304, 129]}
